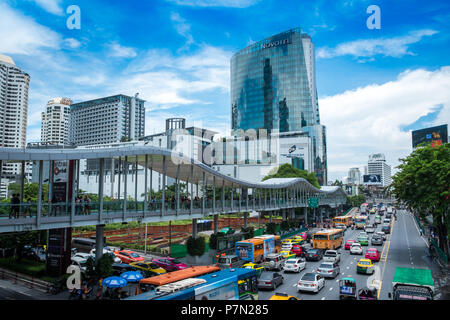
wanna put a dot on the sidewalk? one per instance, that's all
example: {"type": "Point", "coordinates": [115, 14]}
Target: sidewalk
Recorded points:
{"type": "Point", "coordinates": [33, 294]}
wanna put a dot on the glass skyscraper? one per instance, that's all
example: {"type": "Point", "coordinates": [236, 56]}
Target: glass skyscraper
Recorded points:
{"type": "Point", "coordinates": [273, 87]}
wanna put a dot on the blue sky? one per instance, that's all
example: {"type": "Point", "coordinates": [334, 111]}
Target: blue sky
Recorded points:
{"type": "Point", "coordinates": [373, 85]}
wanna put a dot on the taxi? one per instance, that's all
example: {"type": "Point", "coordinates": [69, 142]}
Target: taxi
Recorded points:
{"type": "Point", "coordinates": [304, 235]}
{"type": "Point", "coordinates": [128, 256]}
{"type": "Point", "coordinates": [287, 254]}
{"type": "Point", "coordinates": [297, 250]}
{"type": "Point", "coordinates": [298, 238]}
{"type": "Point", "coordinates": [257, 267]}
{"type": "Point", "coordinates": [363, 240]}
{"type": "Point", "coordinates": [148, 267]}
{"type": "Point", "coordinates": [365, 266]}
{"type": "Point", "coordinates": [372, 254]}
{"type": "Point", "coordinates": [282, 296]}
{"type": "Point", "coordinates": [348, 244]}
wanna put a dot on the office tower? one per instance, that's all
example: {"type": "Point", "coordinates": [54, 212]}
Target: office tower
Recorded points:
{"type": "Point", "coordinates": [14, 84]}
{"type": "Point", "coordinates": [55, 121]}
{"type": "Point", "coordinates": [273, 87]}
{"type": "Point", "coordinates": [377, 166]}
{"type": "Point", "coordinates": [118, 118]}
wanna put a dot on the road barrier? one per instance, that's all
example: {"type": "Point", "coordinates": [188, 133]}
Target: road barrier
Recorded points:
{"type": "Point", "coordinates": [30, 282]}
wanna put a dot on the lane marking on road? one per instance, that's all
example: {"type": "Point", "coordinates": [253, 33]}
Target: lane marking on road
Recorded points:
{"type": "Point", "coordinates": [323, 298]}
{"type": "Point", "coordinates": [331, 288]}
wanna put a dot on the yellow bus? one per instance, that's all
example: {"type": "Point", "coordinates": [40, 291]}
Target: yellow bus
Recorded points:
{"type": "Point", "coordinates": [328, 239]}
{"type": "Point", "coordinates": [345, 220]}
{"type": "Point", "coordinates": [257, 248]}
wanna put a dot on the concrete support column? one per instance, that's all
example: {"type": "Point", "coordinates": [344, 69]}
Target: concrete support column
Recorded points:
{"type": "Point", "coordinates": [216, 223]}
{"type": "Point", "coordinates": [245, 219]}
{"type": "Point", "coordinates": [39, 199]}
{"type": "Point", "coordinates": [305, 210]}
{"type": "Point", "coordinates": [194, 228]}
{"type": "Point", "coordinates": [99, 242]}
{"type": "Point", "coordinates": [100, 188]}
{"type": "Point", "coordinates": [270, 215]}
{"type": "Point", "coordinates": [283, 214]}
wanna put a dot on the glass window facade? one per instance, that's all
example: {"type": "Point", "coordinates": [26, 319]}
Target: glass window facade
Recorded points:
{"type": "Point", "coordinates": [273, 88]}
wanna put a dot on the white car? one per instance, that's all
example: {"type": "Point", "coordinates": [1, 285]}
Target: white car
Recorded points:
{"type": "Point", "coordinates": [85, 256]}
{"type": "Point", "coordinates": [356, 249]}
{"type": "Point", "coordinates": [387, 221]}
{"type": "Point", "coordinates": [286, 247]}
{"type": "Point", "coordinates": [381, 233]}
{"type": "Point", "coordinates": [331, 256]}
{"type": "Point", "coordinates": [370, 229]}
{"type": "Point", "coordinates": [295, 265]}
{"type": "Point", "coordinates": [106, 251]}
{"type": "Point", "coordinates": [79, 262]}
{"type": "Point", "coordinates": [312, 282]}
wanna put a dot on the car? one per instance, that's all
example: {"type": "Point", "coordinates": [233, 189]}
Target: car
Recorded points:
{"type": "Point", "coordinates": [348, 244]}
{"type": "Point", "coordinates": [287, 254]}
{"type": "Point", "coordinates": [362, 233]}
{"type": "Point", "coordinates": [171, 264]}
{"type": "Point", "coordinates": [297, 250]}
{"type": "Point", "coordinates": [311, 282]}
{"type": "Point", "coordinates": [35, 254]}
{"type": "Point", "coordinates": [363, 240]}
{"type": "Point", "coordinates": [270, 280]}
{"type": "Point", "coordinates": [82, 255]}
{"type": "Point", "coordinates": [306, 246]}
{"type": "Point", "coordinates": [369, 229]}
{"type": "Point", "coordinates": [116, 259]}
{"type": "Point", "coordinates": [226, 231]}
{"type": "Point", "coordinates": [373, 254]}
{"type": "Point", "coordinates": [119, 268]}
{"type": "Point", "coordinates": [365, 266]}
{"type": "Point", "coordinates": [300, 238]}
{"type": "Point", "coordinates": [79, 262]}
{"type": "Point", "coordinates": [286, 247]}
{"type": "Point", "coordinates": [386, 228]}
{"type": "Point", "coordinates": [382, 234]}
{"type": "Point", "coordinates": [149, 268]}
{"type": "Point", "coordinates": [340, 226]}
{"type": "Point", "coordinates": [282, 296]}
{"type": "Point", "coordinates": [294, 265]}
{"type": "Point", "coordinates": [376, 240]}
{"type": "Point", "coordinates": [274, 261]}
{"type": "Point", "coordinates": [329, 269]}
{"type": "Point", "coordinates": [331, 256]}
{"type": "Point", "coordinates": [314, 255]}
{"type": "Point", "coordinates": [230, 261]}
{"type": "Point", "coordinates": [303, 235]}
{"type": "Point", "coordinates": [356, 249]}
{"type": "Point", "coordinates": [127, 256]}
{"type": "Point", "coordinates": [257, 267]}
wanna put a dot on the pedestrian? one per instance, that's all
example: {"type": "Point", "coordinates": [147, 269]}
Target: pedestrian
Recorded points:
{"type": "Point", "coordinates": [54, 204]}
{"type": "Point", "coordinates": [16, 206]}
{"type": "Point", "coordinates": [87, 208]}
{"type": "Point", "coordinates": [26, 208]}
{"type": "Point", "coordinates": [11, 206]}
{"type": "Point", "coordinates": [78, 206]}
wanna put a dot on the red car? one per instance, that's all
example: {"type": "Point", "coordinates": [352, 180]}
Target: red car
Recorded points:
{"type": "Point", "coordinates": [170, 264]}
{"type": "Point", "coordinates": [128, 256]}
{"type": "Point", "coordinates": [348, 244]}
{"type": "Point", "coordinates": [297, 250]}
{"type": "Point", "coordinates": [372, 254]}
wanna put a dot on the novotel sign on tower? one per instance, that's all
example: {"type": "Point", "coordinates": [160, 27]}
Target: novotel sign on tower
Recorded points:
{"type": "Point", "coordinates": [275, 43]}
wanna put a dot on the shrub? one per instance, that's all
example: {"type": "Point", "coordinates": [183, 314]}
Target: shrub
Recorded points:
{"type": "Point", "coordinates": [249, 232]}
{"type": "Point", "coordinates": [213, 241]}
{"type": "Point", "coordinates": [104, 266]}
{"type": "Point", "coordinates": [284, 225]}
{"type": "Point", "coordinates": [195, 247]}
{"type": "Point", "coordinates": [271, 228]}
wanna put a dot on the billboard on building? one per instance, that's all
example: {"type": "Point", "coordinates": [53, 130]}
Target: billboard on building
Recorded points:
{"type": "Point", "coordinates": [372, 179]}
{"type": "Point", "coordinates": [435, 136]}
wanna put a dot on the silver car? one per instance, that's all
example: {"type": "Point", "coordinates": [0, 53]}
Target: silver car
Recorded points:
{"type": "Point", "coordinates": [270, 280]}
{"type": "Point", "coordinates": [331, 256]}
{"type": "Point", "coordinates": [329, 270]}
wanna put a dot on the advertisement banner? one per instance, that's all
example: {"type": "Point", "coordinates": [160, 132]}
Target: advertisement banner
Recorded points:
{"type": "Point", "coordinates": [60, 171]}
{"type": "Point", "coordinates": [372, 179]}
{"type": "Point", "coordinates": [435, 136]}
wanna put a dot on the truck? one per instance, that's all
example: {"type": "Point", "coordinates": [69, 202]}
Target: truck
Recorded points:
{"type": "Point", "coordinates": [412, 284]}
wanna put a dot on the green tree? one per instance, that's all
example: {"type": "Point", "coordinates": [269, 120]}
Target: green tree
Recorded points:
{"type": "Point", "coordinates": [356, 200]}
{"type": "Point", "coordinates": [337, 183]}
{"type": "Point", "coordinates": [271, 228]}
{"type": "Point", "coordinates": [249, 232]}
{"type": "Point", "coordinates": [104, 267]}
{"type": "Point", "coordinates": [18, 240]}
{"type": "Point", "coordinates": [195, 246]}
{"type": "Point", "coordinates": [284, 225]}
{"type": "Point", "coordinates": [288, 171]}
{"type": "Point", "coordinates": [422, 183]}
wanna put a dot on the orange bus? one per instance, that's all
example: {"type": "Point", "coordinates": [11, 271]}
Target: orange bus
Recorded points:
{"type": "Point", "coordinates": [257, 248]}
{"type": "Point", "coordinates": [345, 220]}
{"type": "Point", "coordinates": [162, 279]}
{"type": "Point", "coordinates": [328, 239]}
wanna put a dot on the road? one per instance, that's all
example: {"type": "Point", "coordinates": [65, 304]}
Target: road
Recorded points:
{"type": "Point", "coordinates": [404, 247]}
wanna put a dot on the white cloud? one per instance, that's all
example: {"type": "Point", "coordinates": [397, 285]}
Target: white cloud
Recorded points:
{"type": "Point", "coordinates": [116, 50]}
{"type": "Point", "coordinates": [183, 28]}
{"type": "Point", "coordinates": [22, 35]}
{"type": "Point", "coordinates": [72, 43]}
{"type": "Point", "coordinates": [52, 6]}
{"type": "Point", "coordinates": [369, 119]}
{"type": "Point", "coordinates": [393, 47]}
{"type": "Point", "coordinates": [216, 3]}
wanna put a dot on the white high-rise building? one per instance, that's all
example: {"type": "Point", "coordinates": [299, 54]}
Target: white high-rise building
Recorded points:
{"type": "Point", "coordinates": [377, 166]}
{"type": "Point", "coordinates": [14, 84]}
{"type": "Point", "coordinates": [107, 120]}
{"type": "Point", "coordinates": [55, 121]}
